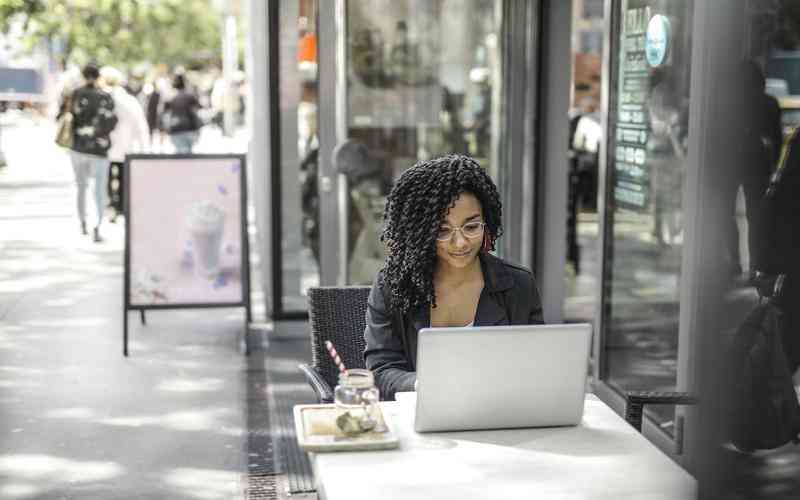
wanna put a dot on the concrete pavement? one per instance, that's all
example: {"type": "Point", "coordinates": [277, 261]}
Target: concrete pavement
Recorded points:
{"type": "Point", "coordinates": [79, 420]}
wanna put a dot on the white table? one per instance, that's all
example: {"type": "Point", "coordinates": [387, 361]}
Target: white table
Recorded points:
{"type": "Point", "coordinates": [603, 458]}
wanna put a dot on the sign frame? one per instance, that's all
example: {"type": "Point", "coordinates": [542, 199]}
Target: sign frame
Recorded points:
{"type": "Point", "coordinates": [244, 246]}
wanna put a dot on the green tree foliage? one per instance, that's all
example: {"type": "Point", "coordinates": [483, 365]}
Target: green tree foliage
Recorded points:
{"type": "Point", "coordinates": [120, 32]}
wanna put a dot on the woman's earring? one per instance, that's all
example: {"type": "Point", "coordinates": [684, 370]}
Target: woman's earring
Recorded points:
{"type": "Point", "coordinates": [487, 243]}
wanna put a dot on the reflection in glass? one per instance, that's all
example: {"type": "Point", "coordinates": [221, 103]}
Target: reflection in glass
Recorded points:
{"type": "Point", "coordinates": [648, 133]}
{"type": "Point", "coordinates": [585, 134]}
{"type": "Point", "coordinates": [299, 148]}
{"type": "Point", "coordinates": [422, 80]}
{"type": "Point", "coordinates": [759, 190]}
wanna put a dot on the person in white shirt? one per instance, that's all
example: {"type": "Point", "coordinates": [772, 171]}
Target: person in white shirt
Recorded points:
{"type": "Point", "coordinates": [131, 135]}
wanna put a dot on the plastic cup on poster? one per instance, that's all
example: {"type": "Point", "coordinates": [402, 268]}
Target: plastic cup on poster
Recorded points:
{"type": "Point", "coordinates": [206, 224]}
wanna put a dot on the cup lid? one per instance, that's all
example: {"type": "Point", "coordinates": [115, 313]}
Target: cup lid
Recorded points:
{"type": "Point", "coordinates": [357, 377]}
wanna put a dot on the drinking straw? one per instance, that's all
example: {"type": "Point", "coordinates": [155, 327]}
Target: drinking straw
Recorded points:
{"type": "Point", "coordinates": [335, 357]}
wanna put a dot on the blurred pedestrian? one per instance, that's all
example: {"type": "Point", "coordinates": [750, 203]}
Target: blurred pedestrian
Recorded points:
{"type": "Point", "coordinates": [131, 135]}
{"type": "Point", "coordinates": [153, 109]}
{"type": "Point", "coordinates": [94, 118]}
{"type": "Point", "coordinates": [227, 99]}
{"type": "Point", "coordinates": [134, 84]}
{"type": "Point", "coordinates": [180, 118]}
{"type": "Point", "coordinates": [217, 101]}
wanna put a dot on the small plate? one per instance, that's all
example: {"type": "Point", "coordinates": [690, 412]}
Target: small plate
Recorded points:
{"type": "Point", "coordinates": [315, 426]}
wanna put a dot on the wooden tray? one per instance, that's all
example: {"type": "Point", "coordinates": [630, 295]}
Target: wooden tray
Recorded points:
{"type": "Point", "coordinates": [315, 426]}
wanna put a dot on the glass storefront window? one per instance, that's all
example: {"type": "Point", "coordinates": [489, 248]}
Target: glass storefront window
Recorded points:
{"type": "Point", "coordinates": [299, 147]}
{"type": "Point", "coordinates": [648, 142]}
{"type": "Point", "coordinates": [423, 80]}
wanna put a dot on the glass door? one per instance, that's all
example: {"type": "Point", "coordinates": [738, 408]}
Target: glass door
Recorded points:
{"type": "Point", "coordinates": [752, 254]}
{"type": "Point", "coordinates": [294, 147]}
{"type": "Point", "coordinates": [646, 158]}
{"type": "Point", "coordinates": [693, 229]}
{"type": "Point", "coordinates": [400, 82]}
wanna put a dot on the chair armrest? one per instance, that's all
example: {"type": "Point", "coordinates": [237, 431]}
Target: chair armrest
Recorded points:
{"type": "Point", "coordinates": [635, 401]}
{"type": "Point", "coordinates": [315, 380]}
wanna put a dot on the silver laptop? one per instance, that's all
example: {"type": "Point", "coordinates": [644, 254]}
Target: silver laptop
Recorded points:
{"type": "Point", "coordinates": [500, 377]}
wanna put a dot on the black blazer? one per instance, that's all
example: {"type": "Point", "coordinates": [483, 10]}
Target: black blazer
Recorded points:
{"type": "Point", "coordinates": [509, 297]}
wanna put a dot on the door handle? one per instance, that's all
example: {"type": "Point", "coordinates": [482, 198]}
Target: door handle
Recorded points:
{"type": "Point", "coordinates": [679, 420]}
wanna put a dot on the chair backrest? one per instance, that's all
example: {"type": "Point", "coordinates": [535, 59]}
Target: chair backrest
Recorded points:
{"type": "Point", "coordinates": [338, 314]}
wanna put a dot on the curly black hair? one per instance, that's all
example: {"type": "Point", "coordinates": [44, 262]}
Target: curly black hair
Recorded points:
{"type": "Point", "coordinates": [415, 208]}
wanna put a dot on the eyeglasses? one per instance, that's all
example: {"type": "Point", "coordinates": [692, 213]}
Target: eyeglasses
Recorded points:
{"type": "Point", "coordinates": [469, 230]}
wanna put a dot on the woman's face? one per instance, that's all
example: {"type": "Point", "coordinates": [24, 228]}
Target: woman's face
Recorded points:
{"type": "Point", "coordinates": [459, 250]}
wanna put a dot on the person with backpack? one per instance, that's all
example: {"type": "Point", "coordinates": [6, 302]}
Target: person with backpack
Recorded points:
{"type": "Point", "coordinates": [765, 352]}
{"type": "Point", "coordinates": [782, 255]}
{"type": "Point", "coordinates": [93, 119]}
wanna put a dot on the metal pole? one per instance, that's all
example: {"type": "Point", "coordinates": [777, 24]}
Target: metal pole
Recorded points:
{"type": "Point", "coordinates": [125, 332]}
{"type": "Point", "coordinates": [230, 56]}
{"type": "Point", "coordinates": [2, 156]}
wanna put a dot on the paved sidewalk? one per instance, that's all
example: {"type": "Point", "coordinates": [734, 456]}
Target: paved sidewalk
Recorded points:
{"type": "Point", "coordinates": [77, 419]}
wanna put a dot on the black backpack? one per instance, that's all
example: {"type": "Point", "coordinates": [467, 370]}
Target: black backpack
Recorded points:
{"type": "Point", "coordinates": [765, 413]}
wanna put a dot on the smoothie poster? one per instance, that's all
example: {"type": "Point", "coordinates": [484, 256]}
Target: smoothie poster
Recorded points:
{"type": "Point", "coordinates": [185, 231]}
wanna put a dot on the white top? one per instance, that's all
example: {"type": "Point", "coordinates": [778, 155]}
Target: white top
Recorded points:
{"type": "Point", "coordinates": [603, 458]}
{"type": "Point", "coordinates": [131, 135]}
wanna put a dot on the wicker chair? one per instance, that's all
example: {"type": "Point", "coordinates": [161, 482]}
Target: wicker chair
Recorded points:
{"type": "Point", "coordinates": [337, 314]}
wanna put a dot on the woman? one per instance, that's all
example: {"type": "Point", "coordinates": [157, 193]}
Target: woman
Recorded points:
{"type": "Point", "coordinates": [131, 135]}
{"type": "Point", "coordinates": [180, 117]}
{"type": "Point", "coordinates": [442, 219]}
{"type": "Point", "coordinates": [93, 119]}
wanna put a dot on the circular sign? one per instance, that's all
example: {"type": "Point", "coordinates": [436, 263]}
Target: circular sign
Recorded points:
{"type": "Point", "coordinates": [656, 42]}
